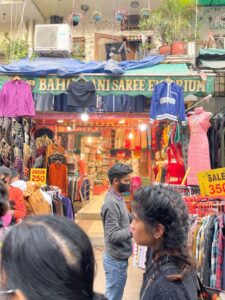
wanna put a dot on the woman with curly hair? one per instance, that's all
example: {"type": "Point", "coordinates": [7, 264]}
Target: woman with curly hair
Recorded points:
{"type": "Point", "coordinates": [161, 223]}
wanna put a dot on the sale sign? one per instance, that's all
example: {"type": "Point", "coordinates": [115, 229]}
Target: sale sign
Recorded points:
{"type": "Point", "coordinates": [212, 183]}
{"type": "Point", "coordinates": [38, 176]}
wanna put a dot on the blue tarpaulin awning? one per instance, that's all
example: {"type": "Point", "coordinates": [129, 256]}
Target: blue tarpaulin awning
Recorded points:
{"type": "Point", "coordinates": [65, 67]}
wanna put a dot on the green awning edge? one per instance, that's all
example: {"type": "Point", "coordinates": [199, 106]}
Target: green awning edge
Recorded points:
{"type": "Point", "coordinates": [211, 2]}
{"type": "Point", "coordinates": [212, 51]}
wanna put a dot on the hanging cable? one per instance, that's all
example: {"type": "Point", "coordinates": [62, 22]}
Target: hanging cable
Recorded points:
{"type": "Point", "coordinates": [11, 19]}
{"type": "Point", "coordinates": [196, 18]}
{"type": "Point", "coordinates": [18, 32]}
{"type": "Point", "coordinates": [15, 19]}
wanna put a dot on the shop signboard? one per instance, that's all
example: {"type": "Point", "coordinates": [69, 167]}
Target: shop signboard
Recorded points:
{"type": "Point", "coordinates": [130, 85]}
{"type": "Point", "coordinates": [212, 183]}
{"type": "Point", "coordinates": [38, 176]}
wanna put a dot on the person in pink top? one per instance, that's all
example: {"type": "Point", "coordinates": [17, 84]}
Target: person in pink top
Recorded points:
{"type": "Point", "coordinates": [198, 149]}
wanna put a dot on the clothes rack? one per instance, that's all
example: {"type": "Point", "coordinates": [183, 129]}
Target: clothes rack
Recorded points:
{"type": "Point", "coordinates": [206, 243]}
{"type": "Point", "coordinates": [183, 189]}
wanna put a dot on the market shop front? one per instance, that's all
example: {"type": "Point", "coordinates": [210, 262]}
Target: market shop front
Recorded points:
{"type": "Point", "coordinates": [88, 138]}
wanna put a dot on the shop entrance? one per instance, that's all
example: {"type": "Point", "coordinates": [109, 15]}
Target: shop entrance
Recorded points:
{"type": "Point", "coordinates": [90, 148]}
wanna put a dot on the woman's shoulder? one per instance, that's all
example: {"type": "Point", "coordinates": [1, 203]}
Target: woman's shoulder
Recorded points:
{"type": "Point", "coordinates": [165, 289]}
{"type": "Point", "coordinates": [177, 290]}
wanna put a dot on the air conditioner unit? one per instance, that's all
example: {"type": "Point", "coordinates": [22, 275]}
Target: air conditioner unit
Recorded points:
{"type": "Point", "coordinates": [54, 40]}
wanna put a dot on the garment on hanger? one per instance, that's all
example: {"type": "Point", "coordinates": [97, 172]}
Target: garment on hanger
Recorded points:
{"type": "Point", "coordinates": [44, 102]}
{"type": "Point", "coordinates": [167, 103]}
{"type": "Point", "coordinates": [16, 99]}
{"type": "Point", "coordinates": [206, 243]}
{"type": "Point", "coordinates": [175, 167]}
{"type": "Point", "coordinates": [123, 103]}
{"type": "Point", "coordinates": [35, 201]}
{"type": "Point", "coordinates": [120, 138]}
{"type": "Point", "coordinates": [82, 94]}
{"type": "Point", "coordinates": [198, 149]}
{"type": "Point", "coordinates": [57, 176]}
{"type": "Point", "coordinates": [216, 136]}
{"type": "Point", "coordinates": [54, 149]}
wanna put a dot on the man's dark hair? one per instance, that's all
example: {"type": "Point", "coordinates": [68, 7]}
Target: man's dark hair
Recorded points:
{"type": "Point", "coordinates": [60, 267]}
{"type": "Point", "coordinates": [118, 171]}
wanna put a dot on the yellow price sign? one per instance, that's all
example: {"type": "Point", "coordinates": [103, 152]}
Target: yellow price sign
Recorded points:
{"type": "Point", "coordinates": [38, 176]}
{"type": "Point", "coordinates": [212, 183]}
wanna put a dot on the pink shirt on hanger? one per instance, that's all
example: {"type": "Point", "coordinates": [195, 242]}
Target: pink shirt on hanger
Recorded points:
{"type": "Point", "coordinates": [16, 99]}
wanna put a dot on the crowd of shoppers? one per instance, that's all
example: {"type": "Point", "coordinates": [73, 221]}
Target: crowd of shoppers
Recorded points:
{"type": "Point", "coordinates": [50, 257]}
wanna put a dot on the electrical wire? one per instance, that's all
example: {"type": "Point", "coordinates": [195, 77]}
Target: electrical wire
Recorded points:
{"type": "Point", "coordinates": [196, 18]}
{"type": "Point", "coordinates": [20, 30]}
{"type": "Point", "coordinates": [11, 19]}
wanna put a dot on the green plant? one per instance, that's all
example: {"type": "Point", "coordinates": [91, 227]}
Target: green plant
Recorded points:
{"type": "Point", "coordinates": [74, 18]}
{"type": "Point", "coordinates": [157, 22]}
{"type": "Point", "coordinates": [78, 52]}
{"type": "Point", "coordinates": [146, 47]}
{"type": "Point", "coordinates": [144, 12]}
{"type": "Point", "coordinates": [173, 20]}
{"type": "Point", "coordinates": [97, 15]}
{"type": "Point", "coordinates": [13, 49]}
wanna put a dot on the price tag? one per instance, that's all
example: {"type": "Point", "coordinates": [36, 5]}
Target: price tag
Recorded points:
{"type": "Point", "coordinates": [38, 176]}
{"type": "Point", "coordinates": [212, 183]}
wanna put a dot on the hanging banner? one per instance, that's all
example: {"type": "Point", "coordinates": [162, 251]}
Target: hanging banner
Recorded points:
{"type": "Point", "coordinates": [106, 85]}
{"type": "Point", "coordinates": [38, 176]}
{"type": "Point", "coordinates": [212, 183]}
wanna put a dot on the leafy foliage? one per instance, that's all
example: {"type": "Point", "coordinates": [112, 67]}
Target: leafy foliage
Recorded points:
{"type": "Point", "coordinates": [173, 20]}
{"type": "Point", "coordinates": [78, 52]}
{"type": "Point", "coordinates": [13, 49]}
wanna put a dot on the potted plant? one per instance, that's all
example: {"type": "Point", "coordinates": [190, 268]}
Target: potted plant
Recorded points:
{"type": "Point", "coordinates": [14, 49]}
{"type": "Point", "coordinates": [121, 15]}
{"type": "Point", "coordinates": [79, 52]}
{"type": "Point", "coordinates": [182, 12]}
{"type": "Point", "coordinates": [147, 48]}
{"type": "Point", "coordinates": [74, 18]}
{"type": "Point", "coordinates": [144, 12]}
{"type": "Point", "coordinates": [158, 23]}
{"type": "Point", "coordinates": [97, 16]}
{"type": "Point", "coordinates": [172, 21]}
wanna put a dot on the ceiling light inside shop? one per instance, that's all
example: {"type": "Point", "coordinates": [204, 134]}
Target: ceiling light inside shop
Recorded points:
{"type": "Point", "coordinates": [69, 128]}
{"type": "Point", "coordinates": [122, 122]}
{"type": "Point", "coordinates": [143, 127]}
{"type": "Point", "coordinates": [90, 140]}
{"type": "Point", "coordinates": [84, 117]}
{"type": "Point", "coordinates": [60, 121]}
{"type": "Point", "coordinates": [130, 136]}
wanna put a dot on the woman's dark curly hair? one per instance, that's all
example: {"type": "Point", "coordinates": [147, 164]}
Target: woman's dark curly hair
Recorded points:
{"type": "Point", "coordinates": [158, 205]}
